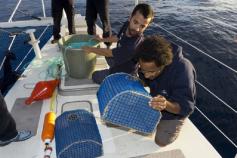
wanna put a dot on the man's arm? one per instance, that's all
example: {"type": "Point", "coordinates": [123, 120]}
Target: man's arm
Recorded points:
{"type": "Point", "coordinates": [107, 39]}
{"type": "Point", "coordinates": [183, 95]}
{"type": "Point", "coordinates": [100, 51]}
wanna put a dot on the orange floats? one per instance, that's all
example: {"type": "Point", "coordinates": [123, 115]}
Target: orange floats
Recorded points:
{"type": "Point", "coordinates": [47, 134]}
{"type": "Point", "coordinates": [42, 90]}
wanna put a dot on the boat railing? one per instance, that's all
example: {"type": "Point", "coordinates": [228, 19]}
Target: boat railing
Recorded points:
{"type": "Point", "coordinates": [9, 48]}
{"type": "Point", "coordinates": [43, 8]}
{"type": "Point", "coordinates": [196, 48]}
{"type": "Point", "coordinates": [204, 87]}
{"type": "Point", "coordinates": [14, 36]}
{"type": "Point", "coordinates": [27, 54]}
{"type": "Point", "coordinates": [16, 9]}
{"type": "Point", "coordinates": [199, 83]}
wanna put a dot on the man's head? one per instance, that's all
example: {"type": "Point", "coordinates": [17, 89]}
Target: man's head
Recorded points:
{"type": "Point", "coordinates": [154, 54]}
{"type": "Point", "coordinates": [139, 20]}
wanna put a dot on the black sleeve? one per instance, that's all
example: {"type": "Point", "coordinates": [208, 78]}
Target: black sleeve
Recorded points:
{"type": "Point", "coordinates": [123, 29]}
{"type": "Point", "coordinates": [184, 90]}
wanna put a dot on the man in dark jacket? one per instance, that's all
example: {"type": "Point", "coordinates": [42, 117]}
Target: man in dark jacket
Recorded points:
{"type": "Point", "coordinates": [57, 11]}
{"type": "Point", "coordinates": [101, 7]}
{"type": "Point", "coordinates": [171, 79]}
{"type": "Point", "coordinates": [119, 59]}
{"type": "Point", "coordinates": [8, 131]}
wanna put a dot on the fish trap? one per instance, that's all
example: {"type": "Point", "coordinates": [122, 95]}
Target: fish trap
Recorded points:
{"type": "Point", "coordinates": [77, 135]}
{"type": "Point", "coordinates": [123, 101]}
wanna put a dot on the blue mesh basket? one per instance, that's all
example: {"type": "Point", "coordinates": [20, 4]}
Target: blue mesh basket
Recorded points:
{"type": "Point", "coordinates": [124, 101]}
{"type": "Point", "coordinates": [77, 135]}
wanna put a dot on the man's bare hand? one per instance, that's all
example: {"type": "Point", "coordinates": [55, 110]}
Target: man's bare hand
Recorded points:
{"type": "Point", "coordinates": [158, 103]}
{"type": "Point", "coordinates": [98, 38]}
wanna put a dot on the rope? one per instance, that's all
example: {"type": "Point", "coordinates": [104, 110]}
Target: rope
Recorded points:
{"type": "Point", "coordinates": [54, 68]}
{"type": "Point", "coordinates": [230, 68]}
{"type": "Point", "coordinates": [209, 91]}
{"type": "Point", "coordinates": [220, 22]}
{"type": "Point", "coordinates": [217, 128]}
{"type": "Point", "coordinates": [14, 11]}
{"type": "Point", "coordinates": [3, 62]}
{"type": "Point", "coordinates": [3, 30]}
{"type": "Point", "coordinates": [8, 49]}
{"type": "Point", "coordinates": [52, 101]}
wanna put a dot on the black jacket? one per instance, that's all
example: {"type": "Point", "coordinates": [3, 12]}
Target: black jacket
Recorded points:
{"type": "Point", "coordinates": [176, 83]}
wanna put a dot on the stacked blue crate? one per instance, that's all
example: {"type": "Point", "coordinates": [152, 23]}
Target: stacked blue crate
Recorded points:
{"type": "Point", "coordinates": [124, 101]}
{"type": "Point", "coordinates": [77, 135]}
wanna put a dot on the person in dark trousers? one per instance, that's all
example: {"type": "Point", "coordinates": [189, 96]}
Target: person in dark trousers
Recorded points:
{"type": "Point", "coordinates": [8, 75]}
{"type": "Point", "coordinates": [57, 11]}
{"type": "Point", "coordinates": [120, 59]}
{"type": "Point", "coordinates": [171, 79]}
{"type": "Point", "coordinates": [8, 131]}
{"type": "Point", "coordinates": [93, 8]}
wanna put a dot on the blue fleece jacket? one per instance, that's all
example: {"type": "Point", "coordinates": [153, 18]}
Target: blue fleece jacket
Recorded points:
{"type": "Point", "coordinates": [176, 83]}
{"type": "Point", "coordinates": [124, 52]}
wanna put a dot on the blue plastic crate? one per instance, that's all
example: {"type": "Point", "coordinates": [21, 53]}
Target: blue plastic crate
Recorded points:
{"type": "Point", "coordinates": [77, 135]}
{"type": "Point", "coordinates": [124, 101]}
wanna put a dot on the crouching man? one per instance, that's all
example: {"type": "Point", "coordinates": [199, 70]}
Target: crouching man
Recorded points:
{"type": "Point", "coordinates": [171, 79]}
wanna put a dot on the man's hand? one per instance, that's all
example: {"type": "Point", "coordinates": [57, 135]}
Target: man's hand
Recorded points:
{"type": "Point", "coordinates": [158, 103]}
{"type": "Point", "coordinates": [87, 49]}
{"type": "Point", "coordinates": [112, 39]}
{"type": "Point", "coordinates": [98, 38]}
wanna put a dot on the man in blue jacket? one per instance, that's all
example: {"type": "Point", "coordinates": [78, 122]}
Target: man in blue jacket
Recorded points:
{"type": "Point", "coordinates": [119, 59]}
{"type": "Point", "coordinates": [171, 79]}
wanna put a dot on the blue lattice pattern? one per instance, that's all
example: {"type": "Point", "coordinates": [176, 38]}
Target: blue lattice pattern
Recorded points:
{"type": "Point", "coordinates": [77, 135]}
{"type": "Point", "coordinates": [124, 101]}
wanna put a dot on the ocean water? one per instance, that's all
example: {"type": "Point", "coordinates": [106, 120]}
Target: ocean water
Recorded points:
{"type": "Point", "coordinates": [209, 25]}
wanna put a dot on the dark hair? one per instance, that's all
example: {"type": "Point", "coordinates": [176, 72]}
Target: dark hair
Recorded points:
{"type": "Point", "coordinates": [155, 48]}
{"type": "Point", "coordinates": [145, 9]}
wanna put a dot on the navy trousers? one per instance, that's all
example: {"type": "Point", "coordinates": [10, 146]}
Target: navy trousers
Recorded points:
{"type": "Point", "coordinates": [99, 76]}
{"type": "Point", "coordinates": [7, 123]}
{"type": "Point", "coordinates": [101, 7]}
{"type": "Point", "coordinates": [57, 11]}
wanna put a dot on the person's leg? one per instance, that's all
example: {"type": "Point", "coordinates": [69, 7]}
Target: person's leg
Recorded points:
{"type": "Point", "coordinates": [8, 131]}
{"type": "Point", "coordinates": [103, 10]}
{"type": "Point", "coordinates": [167, 131]}
{"type": "Point", "coordinates": [99, 76]}
{"type": "Point", "coordinates": [7, 123]}
{"type": "Point", "coordinates": [91, 16]}
{"type": "Point", "coordinates": [57, 9]}
{"type": "Point", "coordinates": [69, 9]}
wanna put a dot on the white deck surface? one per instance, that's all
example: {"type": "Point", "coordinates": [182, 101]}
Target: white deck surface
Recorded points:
{"type": "Point", "coordinates": [116, 143]}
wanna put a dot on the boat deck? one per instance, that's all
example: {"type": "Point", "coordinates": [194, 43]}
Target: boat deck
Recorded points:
{"type": "Point", "coordinates": [117, 143]}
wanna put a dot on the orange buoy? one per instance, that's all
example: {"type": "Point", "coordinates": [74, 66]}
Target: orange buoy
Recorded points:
{"type": "Point", "coordinates": [47, 134]}
{"type": "Point", "coordinates": [42, 90]}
